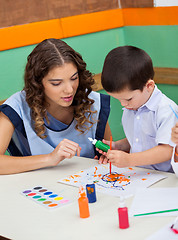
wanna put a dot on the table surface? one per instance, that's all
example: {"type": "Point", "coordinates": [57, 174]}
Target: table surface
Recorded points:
{"type": "Point", "coordinates": [22, 219]}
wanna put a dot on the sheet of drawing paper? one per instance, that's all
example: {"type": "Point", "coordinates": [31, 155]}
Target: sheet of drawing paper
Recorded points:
{"type": "Point", "coordinates": [164, 233]}
{"type": "Point", "coordinates": [121, 181]}
{"type": "Point", "coordinates": [154, 200]}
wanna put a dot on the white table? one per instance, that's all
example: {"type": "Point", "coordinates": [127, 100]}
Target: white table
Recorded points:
{"type": "Point", "coordinates": [22, 219]}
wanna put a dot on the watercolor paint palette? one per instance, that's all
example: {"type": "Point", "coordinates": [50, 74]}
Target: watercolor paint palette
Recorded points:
{"type": "Point", "coordinates": [45, 197]}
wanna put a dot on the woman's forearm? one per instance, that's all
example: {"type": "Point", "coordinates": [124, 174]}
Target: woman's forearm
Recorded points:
{"type": "Point", "coordinates": [11, 165]}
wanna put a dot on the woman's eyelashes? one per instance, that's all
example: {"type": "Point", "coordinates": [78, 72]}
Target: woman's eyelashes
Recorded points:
{"type": "Point", "coordinates": [74, 78]}
{"type": "Point", "coordinates": [56, 83]}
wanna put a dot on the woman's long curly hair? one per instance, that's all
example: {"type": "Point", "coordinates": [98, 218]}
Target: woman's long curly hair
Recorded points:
{"type": "Point", "coordinates": [47, 55]}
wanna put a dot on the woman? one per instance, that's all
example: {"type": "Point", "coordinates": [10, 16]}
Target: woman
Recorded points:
{"type": "Point", "coordinates": [52, 118]}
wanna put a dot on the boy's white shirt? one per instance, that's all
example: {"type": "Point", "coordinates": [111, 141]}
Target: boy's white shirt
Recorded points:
{"type": "Point", "coordinates": [150, 126]}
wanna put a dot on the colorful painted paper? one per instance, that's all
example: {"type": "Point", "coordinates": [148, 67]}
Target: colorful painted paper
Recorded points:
{"type": "Point", "coordinates": [121, 181]}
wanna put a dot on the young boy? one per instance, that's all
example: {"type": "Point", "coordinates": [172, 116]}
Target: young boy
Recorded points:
{"type": "Point", "coordinates": [174, 138]}
{"type": "Point", "coordinates": [147, 118]}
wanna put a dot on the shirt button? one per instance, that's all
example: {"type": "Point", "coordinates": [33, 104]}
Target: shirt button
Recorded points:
{"type": "Point", "coordinates": [138, 117]}
{"type": "Point", "coordinates": [136, 139]}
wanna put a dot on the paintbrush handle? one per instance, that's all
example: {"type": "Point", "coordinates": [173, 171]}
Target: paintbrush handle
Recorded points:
{"type": "Point", "coordinates": [150, 213]}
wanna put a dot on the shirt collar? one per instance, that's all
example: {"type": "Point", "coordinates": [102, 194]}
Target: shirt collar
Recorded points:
{"type": "Point", "coordinates": [153, 101]}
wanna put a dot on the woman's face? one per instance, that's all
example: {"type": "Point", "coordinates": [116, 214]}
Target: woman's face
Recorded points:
{"type": "Point", "coordinates": [60, 85]}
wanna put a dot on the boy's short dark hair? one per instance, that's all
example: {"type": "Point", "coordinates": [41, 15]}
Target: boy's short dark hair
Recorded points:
{"type": "Point", "coordinates": [126, 67]}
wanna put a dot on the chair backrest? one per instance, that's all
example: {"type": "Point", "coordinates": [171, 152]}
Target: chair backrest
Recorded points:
{"type": "Point", "coordinates": [2, 101]}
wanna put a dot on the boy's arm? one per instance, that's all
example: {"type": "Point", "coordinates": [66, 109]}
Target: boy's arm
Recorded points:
{"type": "Point", "coordinates": [158, 154]}
{"type": "Point", "coordinates": [122, 144]}
{"type": "Point", "coordinates": [107, 132]}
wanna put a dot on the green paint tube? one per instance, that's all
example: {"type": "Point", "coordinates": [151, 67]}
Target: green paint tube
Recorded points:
{"type": "Point", "coordinates": [100, 145]}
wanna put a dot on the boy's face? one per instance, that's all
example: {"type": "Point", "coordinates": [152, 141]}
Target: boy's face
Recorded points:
{"type": "Point", "coordinates": [133, 99]}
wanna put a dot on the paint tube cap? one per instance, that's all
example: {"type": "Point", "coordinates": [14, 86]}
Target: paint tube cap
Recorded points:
{"type": "Point", "coordinates": [92, 140]}
{"type": "Point", "coordinates": [82, 192]}
{"type": "Point", "coordinates": [89, 180]}
{"type": "Point", "coordinates": [122, 202]}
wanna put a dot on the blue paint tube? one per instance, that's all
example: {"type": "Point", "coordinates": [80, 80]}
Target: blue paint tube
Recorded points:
{"type": "Point", "coordinates": [91, 193]}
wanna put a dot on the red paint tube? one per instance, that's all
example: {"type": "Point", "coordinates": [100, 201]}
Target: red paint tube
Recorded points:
{"type": "Point", "coordinates": [123, 214]}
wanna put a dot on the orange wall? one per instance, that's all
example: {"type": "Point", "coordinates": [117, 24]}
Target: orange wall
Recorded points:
{"type": "Point", "coordinates": [33, 33]}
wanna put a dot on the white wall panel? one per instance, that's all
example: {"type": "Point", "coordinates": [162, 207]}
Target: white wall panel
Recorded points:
{"type": "Point", "coordinates": [165, 3]}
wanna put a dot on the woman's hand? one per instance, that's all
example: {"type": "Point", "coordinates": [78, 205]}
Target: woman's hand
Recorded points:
{"type": "Point", "coordinates": [65, 149]}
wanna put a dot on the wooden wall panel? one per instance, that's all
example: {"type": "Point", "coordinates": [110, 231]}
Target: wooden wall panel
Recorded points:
{"type": "Point", "coordinates": [162, 76]}
{"type": "Point", "coordinates": [136, 3]}
{"type": "Point", "coordinates": [21, 12]}
{"type": "Point", "coordinates": [100, 5]}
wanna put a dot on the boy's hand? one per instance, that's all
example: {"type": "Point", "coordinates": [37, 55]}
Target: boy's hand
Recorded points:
{"type": "Point", "coordinates": [101, 152]}
{"type": "Point", "coordinates": [119, 158]}
{"type": "Point", "coordinates": [108, 143]}
{"type": "Point", "coordinates": [103, 160]}
{"type": "Point", "coordinates": [174, 134]}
